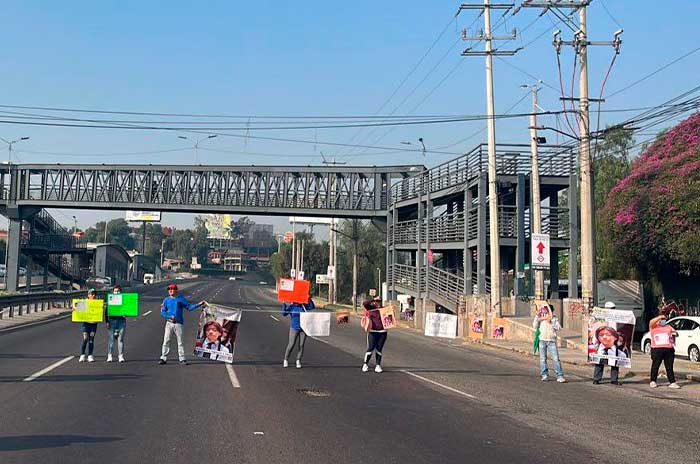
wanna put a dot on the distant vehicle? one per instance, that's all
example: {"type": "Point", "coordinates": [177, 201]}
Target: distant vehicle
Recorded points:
{"type": "Point", "coordinates": [179, 277]}
{"type": "Point", "coordinates": [22, 271]}
{"type": "Point", "coordinates": [232, 278]}
{"type": "Point", "coordinates": [688, 340]}
{"type": "Point", "coordinates": [148, 278]}
{"type": "Point", "coordinates": [99, 283]}
{"type": "Point", "coordinates": [262, 282]}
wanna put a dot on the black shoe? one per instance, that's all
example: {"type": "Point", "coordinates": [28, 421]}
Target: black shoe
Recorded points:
{"type": "Point", "coordinates": [596, 382]}
{"type": "Point", "coordinates": [184, 362]}
{"type": "Point", "coordinates": [162, 361]}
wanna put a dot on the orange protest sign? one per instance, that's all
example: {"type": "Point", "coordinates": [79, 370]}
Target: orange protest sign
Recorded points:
{"type": "Point", "coordinates": [294, 291]}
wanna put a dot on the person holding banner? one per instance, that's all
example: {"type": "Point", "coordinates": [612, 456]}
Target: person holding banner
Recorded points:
{"type": "Point", "coordinates": [116, 326]}
{"type": "Point", "coordinates": [172, 310]}
{"type": "Point", "coordinates": [295, 331]}
{"type": "Point", "coordinates": [662, 349]}
{"type": "Point", "coordinates": [607, 345]}
{"type": "Point", "coordinates": [548, 325]}
{"type": "Point", "coordinates": [376, 334]}
{"type": "Point", "coordinates": [89, 329]}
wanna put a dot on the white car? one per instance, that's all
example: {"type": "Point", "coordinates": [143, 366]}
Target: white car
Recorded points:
{"type": "Point", "coordinates": [232, 278]}
{"type": "Point", "coordinates": [262, 282]}
{"type": "Point", "coordinates": [688, 340]}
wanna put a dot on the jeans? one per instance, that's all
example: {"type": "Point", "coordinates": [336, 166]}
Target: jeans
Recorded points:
{"type": "Point", "coordinates": [551, 347]}
{"type": "Point", "coordinates": [170, 328]}
{"type": "Point", "coordinates": [294, 335]}
{"type": "Point", "coordinates": [116, 326]}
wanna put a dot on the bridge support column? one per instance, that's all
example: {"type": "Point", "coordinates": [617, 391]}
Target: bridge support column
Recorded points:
{"type": "Point", "coordinates": [46, 273]}
{"type": "Point", "coordinates": [481, 235]}
{"type": "Point", "coordinates": [467, 252]}
{"type": "Point", "coordinates": [14, 234]}
{"type": "Point", "coordinates": [420, 314]}
{"type": "Point", "coordinates": [553, 252]}
{"type": "Point", "coordinates": [30, 265]}
{"type": "Point", "coordinates": [519, 287]}
{"type": "Point", "coordinates": [573, 236]}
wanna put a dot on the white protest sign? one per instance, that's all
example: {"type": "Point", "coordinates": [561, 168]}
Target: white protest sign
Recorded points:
{"type": "Point", "coordinates": [287, 285]}
{"type": "Point", "coordinates": [115, 300]}
{"type": "Point", "coordinates": [315, 324]}
{"type": "Point", "coordinates": [440, 325]}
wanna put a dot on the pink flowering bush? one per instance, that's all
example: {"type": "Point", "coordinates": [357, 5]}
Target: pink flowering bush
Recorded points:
{"type": "Point", "coordinates": [652, 216]}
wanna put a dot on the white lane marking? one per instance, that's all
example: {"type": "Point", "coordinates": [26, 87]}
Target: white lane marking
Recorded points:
{"type": "Point", "coordinates": [48, 369]}
{"type": "Point", "coordinates": [273, 317]}
{"type": "Point", "coordinates": [453, 390]}
{"type": "Point", "coordinates": [147, 313]}
{"type": "Point", "coordinates": [232, 376]}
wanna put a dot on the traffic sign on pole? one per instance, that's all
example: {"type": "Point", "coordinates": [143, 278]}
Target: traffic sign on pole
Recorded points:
{"type": "Point", "coordinates": [539, 251]}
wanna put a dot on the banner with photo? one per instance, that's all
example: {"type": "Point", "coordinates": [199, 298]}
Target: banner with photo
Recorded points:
{"type": "Point", "coordinates": [216, 333]}
{"type": "Point", "coordinates": [440, 325]}
{"type": "Point", "coordinates": [315, 324]}
{"type": "Point", "coordinates": [387, 317]}
{"type": "Point", "coordinates": [610, 333]}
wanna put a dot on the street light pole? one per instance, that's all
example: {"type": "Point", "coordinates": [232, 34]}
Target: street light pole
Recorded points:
{"type": "Point", "coordinates": [196, 145]}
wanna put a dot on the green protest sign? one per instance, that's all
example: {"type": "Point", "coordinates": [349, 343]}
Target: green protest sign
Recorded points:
{"type": "Point", "coordinates": [123, 304]}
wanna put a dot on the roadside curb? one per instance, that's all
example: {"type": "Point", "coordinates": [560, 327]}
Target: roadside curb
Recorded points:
{"type": "Point", "coordinates": [60, 315]}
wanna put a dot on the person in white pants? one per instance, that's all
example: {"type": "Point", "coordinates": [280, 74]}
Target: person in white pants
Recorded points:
{"type": "Point", "coordinates": [172, 311]}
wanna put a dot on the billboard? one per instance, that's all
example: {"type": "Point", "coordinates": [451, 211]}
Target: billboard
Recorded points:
{"type": "Point", "coordinates": [309, 220]}
{"type": "Point", "coordinates": [150, 216]}
{"type": "Point", "coordinates": [218, 225]}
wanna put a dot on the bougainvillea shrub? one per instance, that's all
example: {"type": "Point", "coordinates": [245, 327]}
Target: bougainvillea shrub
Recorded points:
{"type": "Point", "coordinates": [652, 216]}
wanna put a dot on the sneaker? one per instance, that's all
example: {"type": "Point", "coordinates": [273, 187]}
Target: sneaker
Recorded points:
{"type": "Point", "coordinates": [596, 382]}
{"type": "Point", "coordinates": [109, 358]}
{"type": "Point", "coordinates": [81, 359]}
{"type": "Point", "coordinates": [183, 362]}
{"type": "Point", "coordinates": [652, 384]}
{"type": "Point", "coordinates": [91, 358]}
{"type": "Point", "coordinates": [674, 385]}
{"type": "Point", "coordinates": [298, 364]}
{"type": "Point", "coordinates": [285, 363]}
{"type": "Point", "coordinates": [162, 361]}
{"type": "Point", "coordinates": [121, 358]}
{"type": "Point", "coordinates": [561, 380]}
{"type": "Point", "coordinates": [378, 369]}
{"type": "Point", "coordinates": [365, 368]}
{"type": "Point", "coordinates": [544, 378]}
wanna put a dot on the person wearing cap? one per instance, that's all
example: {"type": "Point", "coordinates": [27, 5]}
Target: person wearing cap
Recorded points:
{"type": "Point", "coordinates": [172, 310]}
{"type": "Point", "coordinates": [116, 328]}
{"type": "Point", "coordinates": [89, 329]}
{"type": "Point", "coordinates": [606, 339]}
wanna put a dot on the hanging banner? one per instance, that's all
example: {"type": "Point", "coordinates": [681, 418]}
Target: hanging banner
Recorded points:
{"type": "Point", "coordinates": [216, 333]}
{"type": "Point", "coordinates": [440, 325]}
{"type": "Point", "coordinates": [85, 310]}
{"type": "Point", "coordinates": [149, 216]}
{"type": "Point", "coordinates": [610, 333]}
{"type": "Point", "coordinates": [387, 316]}
{"type": "Point", "coordinates": [315, 324]}
{"type": "Point", "coordinates": [294, 291]}
{"type": "Point", "coordinates": [123, 304]}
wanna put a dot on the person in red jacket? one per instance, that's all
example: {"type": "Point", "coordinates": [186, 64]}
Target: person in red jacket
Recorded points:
{"type": "Point", "coordinates": [662, 342]}
{"type": "Point", "coordinates": [376, 335]}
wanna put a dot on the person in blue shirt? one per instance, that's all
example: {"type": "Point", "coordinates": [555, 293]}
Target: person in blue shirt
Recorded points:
{"type": "Point", "coordinates": [295, 330]}
{"type": "Point", "coordinates": [172, 310]}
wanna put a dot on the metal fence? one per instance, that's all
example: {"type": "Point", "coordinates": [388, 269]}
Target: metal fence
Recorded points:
{"type": "Point", "coordinates": [445, 284]}
{"type": "Point", "coordinates": [27, 303]}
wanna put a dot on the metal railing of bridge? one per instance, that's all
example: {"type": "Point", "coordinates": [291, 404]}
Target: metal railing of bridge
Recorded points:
{"type": "Point", "coordinates": [445, 284]}
{"type": "Point", "coordinates": [26, 303]}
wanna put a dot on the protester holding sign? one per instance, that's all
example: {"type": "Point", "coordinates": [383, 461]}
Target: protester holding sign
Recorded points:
{"type": "Point", "coordinates": [296, 333]}
{"type": "Point", "coordinates": [89, 329]}
{"type": "Point", "coordinates": [172, 311]}
{"type": "Point", "coordinates": [609, 336]}
{"type": "Point", "coordinates": [116, 328]}
{"type": "Point", "coordinates": [376, 334]}
{"type": "Point", "coordinates": [662, 349]}
{"type": "Point", "coordinates": [548, 325]}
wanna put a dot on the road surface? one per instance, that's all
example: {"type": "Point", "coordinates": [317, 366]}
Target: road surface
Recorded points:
{"type": "Point", "coordinates": [435, 403]}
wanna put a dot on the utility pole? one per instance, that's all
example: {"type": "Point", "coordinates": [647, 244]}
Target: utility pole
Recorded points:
{"type": "Point", "coordinates": [535, 188]}
{"type": "Point", "coordinates": [586, 182]}
{"type": "Point", "coordinates": [488, 53]}
{"type": "Point", "coordinates": [354, 264]}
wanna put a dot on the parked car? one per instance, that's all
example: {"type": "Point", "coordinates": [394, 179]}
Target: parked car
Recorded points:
{"type": "Point", "coordinates": [688, 340]}
{"type": "Point", "coordinates": [99, 283]}
{"type": "Point", "coordinates": [262, 282]}
{"type": "Point", "coordinates": [232, 278]}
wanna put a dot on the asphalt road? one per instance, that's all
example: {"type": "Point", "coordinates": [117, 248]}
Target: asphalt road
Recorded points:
{"type": "Point", "coordinates": [435, 402]}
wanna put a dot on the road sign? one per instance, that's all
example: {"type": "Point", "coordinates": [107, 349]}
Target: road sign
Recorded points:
{"type": "Point", "coordinates": [322, 279]}
{"type": "Point", "coordinates": [288, 237]}
{"type": "Point", "coordinates": [539, 251]}
{"type": "Point", "coordinates": [151, 216]}
{"type": "Point", "coordinates": [331, 272]}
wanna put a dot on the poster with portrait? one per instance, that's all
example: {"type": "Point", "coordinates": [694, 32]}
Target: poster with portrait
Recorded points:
{"type": "Point", "coordinates": [610, 333]}
{"type": "Point", "coordinates": [440, 325]}
{"type": "Point", "coordinates": [216, 333]}
{"type": "Point", "coordinates": [388, 317]}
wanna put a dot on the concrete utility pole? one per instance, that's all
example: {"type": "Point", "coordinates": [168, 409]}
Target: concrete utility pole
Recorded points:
{"type": "Point", "coordinates": [488, 52]}
{"type": "Point", "coordinates": [535, 188]}
{"type": "Point", "coordinates": [586, 182]}
{"type": "Point", "coordinates": [355, 239]}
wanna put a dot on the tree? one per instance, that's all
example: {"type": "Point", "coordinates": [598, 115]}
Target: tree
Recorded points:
{"type": "Point", "coordinates": [612, 164]}
{"type": "Point", "coordinates": [653, 214]}
{"type": "Point", "coordinates": [239, 229]}
{"type": "Point", "coordinates": [371, 254]}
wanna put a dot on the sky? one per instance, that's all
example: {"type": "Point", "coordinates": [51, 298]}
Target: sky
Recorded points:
{"type": "Point", "coordinates": [312, 58]}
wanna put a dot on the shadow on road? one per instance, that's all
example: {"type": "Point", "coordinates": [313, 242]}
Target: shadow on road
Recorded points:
{"type": "Point", "coordinates": [26, 442]}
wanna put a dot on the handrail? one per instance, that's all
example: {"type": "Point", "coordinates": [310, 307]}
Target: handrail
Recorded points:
{"type": "Point", "coordinates": [9, 304]}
